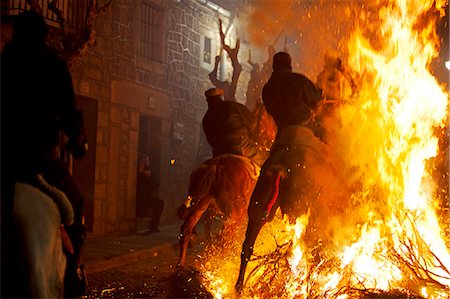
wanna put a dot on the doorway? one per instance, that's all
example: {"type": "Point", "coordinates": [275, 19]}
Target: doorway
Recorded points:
{"type": "Point", "coordinates": [150, 144]}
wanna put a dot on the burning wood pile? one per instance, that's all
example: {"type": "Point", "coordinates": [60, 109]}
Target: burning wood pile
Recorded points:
{"type": "Point", "coordinates": [392, 239]}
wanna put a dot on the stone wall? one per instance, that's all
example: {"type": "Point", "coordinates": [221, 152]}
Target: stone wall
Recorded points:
{"type": "Point", "coordinates": [112, 73]}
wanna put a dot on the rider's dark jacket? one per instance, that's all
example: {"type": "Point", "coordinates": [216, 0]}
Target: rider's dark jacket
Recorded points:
{"type": "Point", "coordinates": [228, 128]}
{"type": "Point", "coordinates": [290, 98]}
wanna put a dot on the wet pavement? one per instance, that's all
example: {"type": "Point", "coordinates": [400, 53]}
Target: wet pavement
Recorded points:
{"type": "Point", "coordinates": [106, 252]}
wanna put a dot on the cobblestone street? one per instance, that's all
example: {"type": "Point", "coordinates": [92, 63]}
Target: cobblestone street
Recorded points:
{"type": "Point", "coordinates": [151, 277]}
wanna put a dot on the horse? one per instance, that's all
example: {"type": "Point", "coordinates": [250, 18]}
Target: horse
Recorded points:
{"type": "Point", "coordinates": [299, 177]}
{"type": "Point", "coordinates": [224, 183]}
{"type": "Point", "coordinates": [36, 260]}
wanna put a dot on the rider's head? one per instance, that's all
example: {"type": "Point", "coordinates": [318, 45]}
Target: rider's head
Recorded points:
{"type": "Point", "coordinates": [214, 94]}
{"type": "Point", "coordinates": [30, 29]}
{"type": "Point", "coordinates": [282, 62]}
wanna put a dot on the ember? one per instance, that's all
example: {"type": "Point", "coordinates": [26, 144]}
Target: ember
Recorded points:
{"type": "Point", "coordinates": [385, 143]}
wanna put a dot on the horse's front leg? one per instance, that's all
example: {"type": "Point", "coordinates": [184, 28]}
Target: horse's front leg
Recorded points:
{"type": "Point", "coordinates": [267, 188]}
{"type": "Point", "coordinates": [253, 228]}
{"type": "Point", "coordinates": [186, 229]}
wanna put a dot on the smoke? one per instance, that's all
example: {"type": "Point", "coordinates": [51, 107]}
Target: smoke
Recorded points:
{"type": "Point", "coordinates": [306, 29]}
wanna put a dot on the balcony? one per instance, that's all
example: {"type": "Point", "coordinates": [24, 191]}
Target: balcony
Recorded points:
{"type": "Point", "coordinates": [74, 13]}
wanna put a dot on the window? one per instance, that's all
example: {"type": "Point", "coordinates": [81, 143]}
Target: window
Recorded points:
{"type": "Point", "coordinates": [152, 21]}
{"type": "Point", "coordinates": [207, 51]}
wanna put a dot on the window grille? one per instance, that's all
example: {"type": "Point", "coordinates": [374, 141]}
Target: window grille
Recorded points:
{"type": "Point", "coordinates": [152, 26]}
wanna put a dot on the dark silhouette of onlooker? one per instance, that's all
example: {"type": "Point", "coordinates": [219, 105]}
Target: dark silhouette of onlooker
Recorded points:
{"type": "Point", "coordinates": [38, 117]}
{"type": "Point", "coordinates": [147, 202]}
{"type": "Point", "coordinates": [75, 282]}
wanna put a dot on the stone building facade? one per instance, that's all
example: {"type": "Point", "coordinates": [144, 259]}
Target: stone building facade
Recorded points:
{"type": "Point", "coordinates": [150, 100]}
{"type": "Point", "coordinates": [141, 90]}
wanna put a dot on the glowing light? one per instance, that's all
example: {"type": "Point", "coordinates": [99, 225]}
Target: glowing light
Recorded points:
{"type": "Point", "coordinates": [392, 238]}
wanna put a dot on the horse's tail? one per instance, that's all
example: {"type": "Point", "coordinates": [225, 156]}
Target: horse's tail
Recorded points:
{"type": "Point", "coordinates": [200, 184]}
{"type": "Point", "coordinates": [183, 209]}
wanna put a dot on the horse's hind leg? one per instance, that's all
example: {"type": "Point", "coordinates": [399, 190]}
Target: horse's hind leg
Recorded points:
{"type": "Point", "coordinates": [191, 220]}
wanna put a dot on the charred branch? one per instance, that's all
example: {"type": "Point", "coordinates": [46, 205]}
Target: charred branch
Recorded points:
{"type": "Point", "coordinates": [229, 88]}
{"type": "Point", "coordinates": [73, 43]}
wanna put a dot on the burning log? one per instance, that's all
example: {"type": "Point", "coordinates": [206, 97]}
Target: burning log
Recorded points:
{"type": "Point", "coordinates": [189, 283]}
{"type": "Point", "coordinates": [417, 259]}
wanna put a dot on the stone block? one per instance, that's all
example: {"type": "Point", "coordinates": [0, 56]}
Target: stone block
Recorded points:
{"type": "Point", "coordinates": [99, 227]}
{"type": "Point", "coordinates": [125, 126]}
{"type": "Point", "coordinates": [104, 92]}
{"type": "Point", "coordinates": [124, 33]}
{"type": "Point", "coordinates": [98, 204]}
{"type": "Point", "coordinates": [122, 182]}
{"type": "Point", "coordinates": [108, 48]}
{"type": "Point", "coordinates": [131, 70]}
{"type": "Point", "coordinates": [103, 120]}
{"type": "Point", "coordinates": [117, 48]}
{"type": "Point", "coordinates": [121, 209]}
{"type": "Point", "coordinates": [101, 154]}
{"type": "Point", "coordinates": [106, 27]}
{"type": "Point", "coordinates": [116, 115]}
{"type": "Point", "coordinates": [134, 122]}
{"type": "Point", "coordinates": [96, 61]}
{"type": "Point", "coordinates": [123, 68]}
{"type": "Point", "coordinates": [123, 149]}
{"type": "Point", "coordinates": [94, 74]}
{"type": "Point", "coordinates": [99, 194]}
{"type": "Point", "coordinates": [99, 138]}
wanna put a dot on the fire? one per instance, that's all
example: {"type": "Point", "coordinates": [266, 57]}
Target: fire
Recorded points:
{"type": "Point", "coordinates": [404, 104]}
{"type": "Point", "coordinates": [386, 140]}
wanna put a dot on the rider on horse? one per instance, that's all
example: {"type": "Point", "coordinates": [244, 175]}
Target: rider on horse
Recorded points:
{"type": "Point", "coordinates": [290, 98]}
{"type": "Point", "coordinates": [230, 127]}
{"type": "Point", "coordinates": [223, 183]}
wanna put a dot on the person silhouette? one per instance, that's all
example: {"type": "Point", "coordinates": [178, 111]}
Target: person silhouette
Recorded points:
{"type": "Point", "coordinates": [38, 114]}
{"type": "Point", "coordinates": [148, 204]}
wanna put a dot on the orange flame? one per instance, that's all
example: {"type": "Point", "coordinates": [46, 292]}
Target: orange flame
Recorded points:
{"type": "Point", "coordinates": [385, 140]}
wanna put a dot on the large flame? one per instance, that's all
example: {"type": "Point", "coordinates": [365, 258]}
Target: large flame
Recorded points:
{"type": "Point", "coordinates": [387, 141]}
{"type": "Point", "coordinates": [400, 105]}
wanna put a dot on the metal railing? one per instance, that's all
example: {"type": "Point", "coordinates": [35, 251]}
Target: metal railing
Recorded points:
{"type": "Point", "coordinates": [73, 12]}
